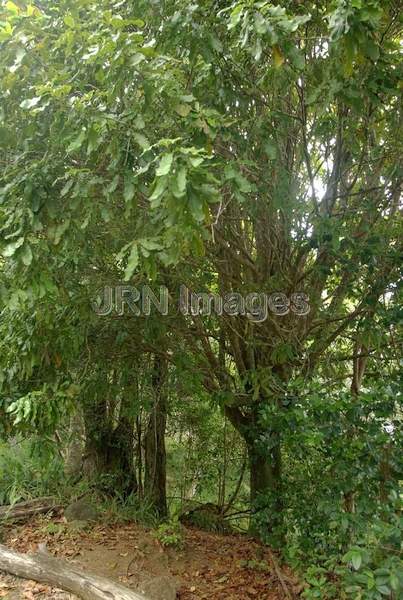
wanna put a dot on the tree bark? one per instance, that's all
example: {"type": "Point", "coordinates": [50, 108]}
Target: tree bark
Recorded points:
{"type": "Point", "coordinates": [265, 487]}
{"type": "Point", "coordinates": [262, 473]}
{"type": "Point", "coordinates": [155, 453]}
{"type": "Point", "coordinates": [73, 464]}
{"type": "Point", "coordinates": [44, 568]}
{"type": "Point", "coordinates": [265, 471]}
{"type": "Point", "coordinates": [109, 451]}
{"type": "Point", "coordinates": [96, 433]}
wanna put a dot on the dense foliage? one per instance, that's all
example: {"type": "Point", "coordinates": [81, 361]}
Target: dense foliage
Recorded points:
{"type": "Point", "coordinates": [241, 148]}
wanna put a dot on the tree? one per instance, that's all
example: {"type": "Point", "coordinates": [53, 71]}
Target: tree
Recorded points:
{"type": "Point", "coordinates": [273, 169]}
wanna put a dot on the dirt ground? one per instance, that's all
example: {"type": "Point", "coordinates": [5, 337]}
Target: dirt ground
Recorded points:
{"type": "Point", "coordinates": [208, 567]}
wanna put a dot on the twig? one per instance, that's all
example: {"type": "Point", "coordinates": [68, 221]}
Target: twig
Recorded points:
{"type": "Point", "coordinates": [287, 593]}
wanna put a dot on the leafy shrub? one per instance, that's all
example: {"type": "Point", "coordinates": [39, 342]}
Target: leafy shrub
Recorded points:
{"type": "Point", "coordinates": [170, 534]}
{"type": "Point", "coordinates": [342, 524]}
{"type": "Point", "coordinates": [373, 568]}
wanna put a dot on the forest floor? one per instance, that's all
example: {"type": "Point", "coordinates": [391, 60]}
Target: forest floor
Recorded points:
{"type": "Point", "coordinates": [208, 567]}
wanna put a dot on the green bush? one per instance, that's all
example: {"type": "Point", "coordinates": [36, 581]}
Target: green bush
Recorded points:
{"type": "Point", "coordinates": [29, 470]}
{"type": "Point", "coordinates": [170, 534]}
{"type": "Point", "coordinates": [341, 526]}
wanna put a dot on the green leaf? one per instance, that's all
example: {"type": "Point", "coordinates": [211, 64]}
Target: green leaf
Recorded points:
{"type": "Point", "coordinates": [30, 102]}
{"type": "Point", "coordinates": [257, 52]}
{"type": "Point", "coordinates": [229, 172]}
{"type": "Point", "coordinates": [356, 559]}
{"type": "Point", "coordinates": [113, 184]}
{"type": "Point", "coordinates": [77, 143]}
{"type": "Point", "coordinates": [67, 186]}
{"type": "Point", "coordinates": [260, 23]}
{"type": "Point", "coordinates": [26, 255]}
{"type": "Point", "coordinates": [179, 189]}
{"type": "Point", "coordinates": [129, 189]}
{"type": "Point", "coordinates": [69, 21]}
{"type": "Point", "coordinates": [384, 590]}
{"type": "Point", "coordinates": [196, 161]}
{"type": "Point", "coordinates": [94, 140]}
{"type": "Point", "coordinates": [297, 58]}
{"type": "Point", "coordinates": [371, 50]}
{"type": "Point", "coordinates": [159, 189]}
{"type": "Point", "coordinates": [183, 109]}
{"type": "Point", "coordinates": [12, 7]}
{"type": "Point", "coordinates": [394, 582]}
{"type": "Point", "coordinates": [196, 208]}
{"type": "Point", "coordinates": [165, 164]}
{"type": "Point", "coordinates": [137, 22]}
{"type": "Point", "coordinates": [142, 141]}
{"type": "Point", "coordinates": [132, 262]}
{"type": "Point", "coordinates": [150, 244]}
{"type": "Point", "coordinates": [244, 185]}
{"type": "Point", "coordinates": [13, 247]}
{"type": "Point", "coordinates": [136, 59]}
{"type": "Point", "coordinates": [235, 17]}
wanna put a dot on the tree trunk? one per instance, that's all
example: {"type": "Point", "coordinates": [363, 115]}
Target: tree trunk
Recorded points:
{"type": "Point", "coordinates": [73, 464]}
{"type": "Point", "coordinates": [265, 489]}
{"type": "Point", "coordinates": [261, 474]}
{"type": "Point", "coordinates": [120, 458]}
{"type": "Point", "coordinates": [266, 498]}
{"type": "Point", "coordinates": [96, 433]}
{"type": "Point", "coordinates": [44, 568]}
{"type": "Point", "coordinates": [155, 454]}
{"type": "Point", "coordinates": [109, 453]}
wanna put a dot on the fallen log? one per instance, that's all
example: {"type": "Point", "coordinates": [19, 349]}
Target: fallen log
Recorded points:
{"type": "Point", "coordinates": [44, 568]}
{"type": "Point", "coordinates": [24, 510]}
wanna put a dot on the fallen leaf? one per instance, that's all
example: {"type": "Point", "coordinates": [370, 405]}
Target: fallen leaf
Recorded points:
{"type": "Point", "coordinates": [5, 586]}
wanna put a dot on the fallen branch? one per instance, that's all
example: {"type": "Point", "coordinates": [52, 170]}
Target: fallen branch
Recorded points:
{"type": "Point", "coordinates": [24, 510]}
{"type": "Point", "coordinates": [287, 592]}
{"type": "Point", "coordinates": [44, 568]}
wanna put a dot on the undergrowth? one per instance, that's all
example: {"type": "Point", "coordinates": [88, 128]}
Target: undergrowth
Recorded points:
{"type": "Point", "coordinates": [29, 469]}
